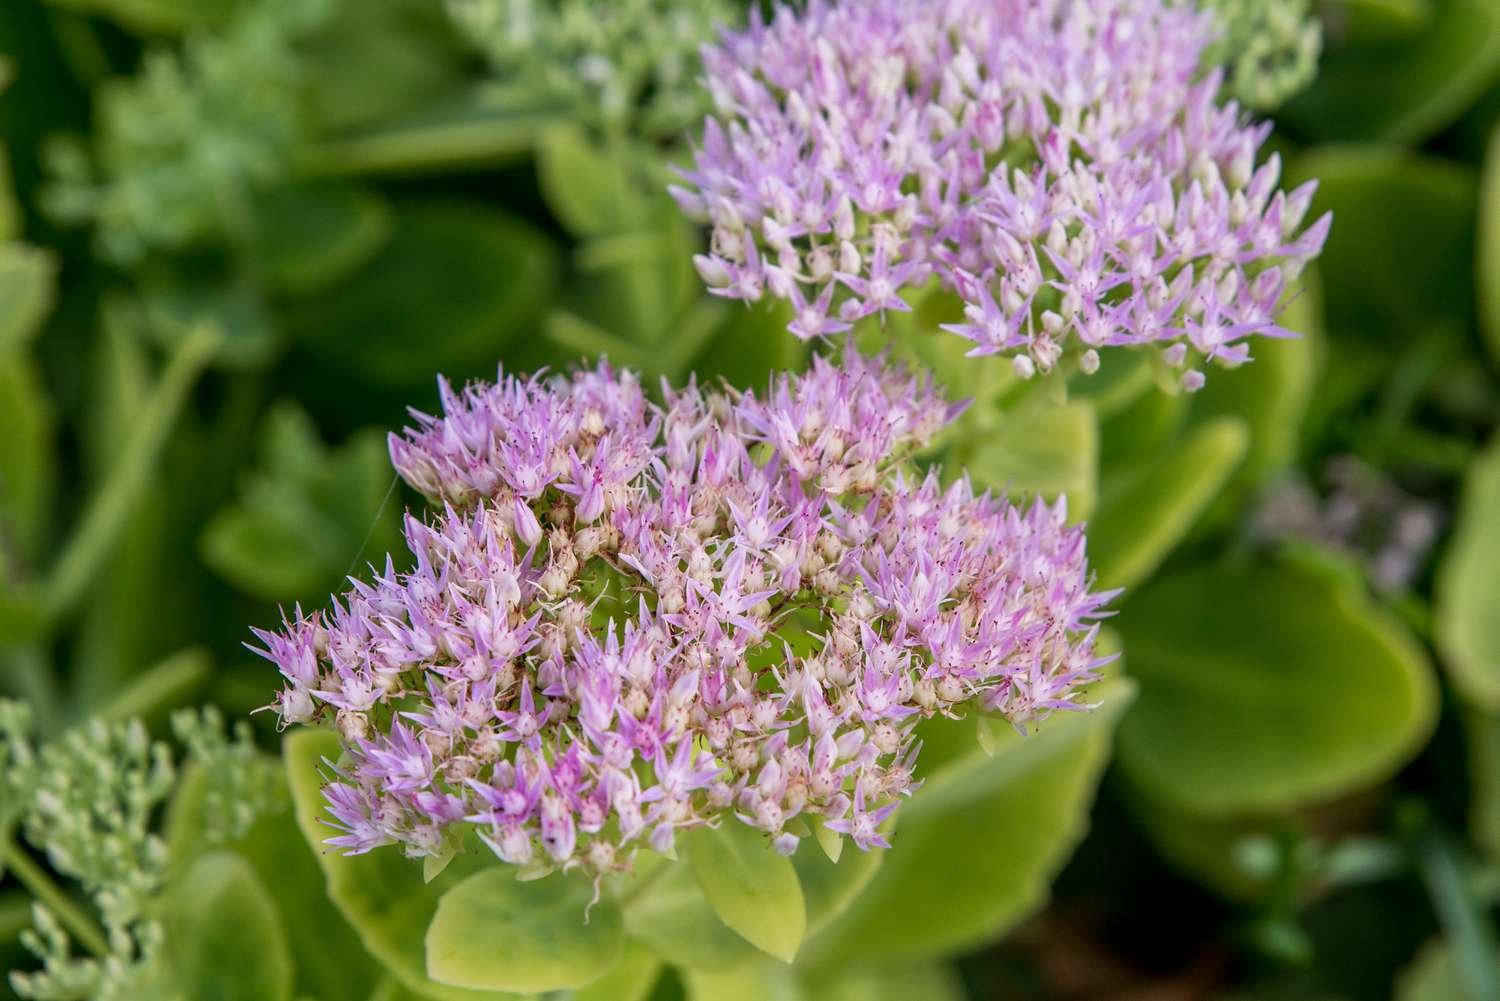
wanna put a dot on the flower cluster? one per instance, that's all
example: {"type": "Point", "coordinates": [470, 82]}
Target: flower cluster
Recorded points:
{"type": "Point", "coordinates": [1061, 164]}
{"type": "Point", "coordinates": [629, 619]}
{"type": "Point", "coordinates": [622, 62]}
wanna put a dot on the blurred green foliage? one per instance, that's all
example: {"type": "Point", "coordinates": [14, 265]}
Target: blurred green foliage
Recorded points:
{"type": "Point", "coordinates": [246, 234]}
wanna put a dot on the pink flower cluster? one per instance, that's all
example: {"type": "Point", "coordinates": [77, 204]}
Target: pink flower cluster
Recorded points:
{"type": "Point", "coordinates": [629, 619]}
{"type": "Point", "coordinates": [1062, 165]}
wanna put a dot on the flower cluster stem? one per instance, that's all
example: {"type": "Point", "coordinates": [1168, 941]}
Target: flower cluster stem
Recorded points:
{"type": "Point", "coordinates": [42, 887]}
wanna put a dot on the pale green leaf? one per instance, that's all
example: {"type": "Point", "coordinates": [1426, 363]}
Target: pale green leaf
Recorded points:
{"type": "Point", "coordinates": [1042, 450]}
{"type": "Point", "coordinates": [632, 978]}
{"type": "Point", "coordinates": [26, 289]}
{"type": "Point", "coordinates": [495, 932]}
{"type": "Point", "coordinates": [381, 893]}
{"type": "Point", "coordinates": [975, 849]}
{"type": "Point", "coordinates": [1468, 587]}
{"type": "Point", "coordinates": [760, 982]}
{"type": "Point", "coordinates": [752, 888]}
{"type": "Point", "coordinates": [674, 920]}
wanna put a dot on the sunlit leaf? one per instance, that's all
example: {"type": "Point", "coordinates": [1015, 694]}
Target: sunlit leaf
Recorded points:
{"type": "Point", "coordinates": [1468, 587]}
{"type": "Point", "coordinates": [752, 888]}
{"type": "Point", "coordinates": [225, 941]}
{"type": "Point", "coordinates": [493, 931]}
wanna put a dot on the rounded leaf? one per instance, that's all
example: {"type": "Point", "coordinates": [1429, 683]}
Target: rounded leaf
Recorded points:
{"type": "Point", "coordinates": [495, 932]}
{"type": "Point", "coordinates": [381, 893]}
{"type": "Point", "coordinates": [1149, 510]}
{"type": "Point", "coordinates": [224, 937]}
{"type": "Point", "coordinates": [1468, 588]}
{"type": "Point", "coordinates": [976, 847]}
{"type": "Point", "coordinates": [753, 889]}
{"type": "Point", "coordinates": [1266, 688]}
{"type": "Point", "coordinates": [671, 917]}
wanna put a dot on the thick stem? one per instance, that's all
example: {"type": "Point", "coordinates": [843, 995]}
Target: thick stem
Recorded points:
{"type": "Point", "coordinates": [108, 511]}
{"type": "Point", "coordinates": [47, 893]}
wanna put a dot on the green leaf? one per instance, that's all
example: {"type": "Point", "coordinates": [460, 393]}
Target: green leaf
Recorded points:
{"type": "Point", "coordinates": [589, 190]}
{"type": "Point", "coordinates": [381, 893]}
{"type": "Point", "coordinates": [495, 932]}
{"type": "Point", "coordinates": [157, 16]}
{"type": "Point", "coordinates": [760, 982]}
{"type": "Point", "coordinates": [1488, 285]}
{"type": "Point", "coordinates": [1043, 450]}
{"type": "Point", "coordinates": [1266, 688]}
{"type": "Point", "coordinates": [1404, 92]}
{"type": "Point", "coordinates": [977, 846]}
{"type": "Point", "coordinates": [1468, 587]}
{"type": "Point", "coordinates": [181, 298]}
{"type": "Point", "coordinates": [632, 978]}
{"type": "Point", "coordinates": [330, 962]}
{"type": "Point", "coordinates": [752, 888]}
{"type": "Point", "coordinates": [162, 686]}
{"type": "Point", "coordinates": [891, 983]}
{"type": "Point", "coordinates": [1271, 393]}
{"type": "Point", "coordinates": [311, 236]}
{"type": "Point", "coordinates": [307, 515]}
{"type": "Point", "coordinates": [671, 917]}
{"type": "Point", "coordinates": [474, 128]}
{"type": "Point", "coordinates": [1433, 976]}
{"type": "Point", "coordinates": [456, 284]}
{"type": "Point", "coordinates": [27, 276]}
{"type": "Point", "coordinates": [224, 938]}
{"type": "Point", "coordinates": [1482, 734]}
{"type": "Point", "coordinates": [1146, 513]}
{"type": "Point", "coordinates": [828, 886]}
{"type": "Point", "coordinates": [1402, 221]}
{"type": "Point", "coordinates": [27, 464]}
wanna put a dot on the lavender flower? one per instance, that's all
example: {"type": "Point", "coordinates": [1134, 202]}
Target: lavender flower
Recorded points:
{"type": "Point", "coordinates": [628, 620]}
{"type": "Point", "coordinates": [1061, 164]}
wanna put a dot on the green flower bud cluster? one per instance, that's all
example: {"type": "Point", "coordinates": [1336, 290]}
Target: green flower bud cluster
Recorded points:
{"type": "Point", "coordinates": [613, 59]}
{"type": "Point", "coordinates": [179, 148]}
{"type": "Point", "coordinates": [88, 801]}
{"type": "Point", "coordinates": [1269, 49]}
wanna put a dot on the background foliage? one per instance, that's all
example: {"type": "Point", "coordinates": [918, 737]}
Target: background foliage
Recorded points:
{"type": "Point", "coordinates": [245, 235]}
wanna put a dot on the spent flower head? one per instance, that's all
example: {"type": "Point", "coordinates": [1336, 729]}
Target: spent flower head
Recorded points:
{"type": "Point", "coordinates": [1064, 166]}
{"type": "Point", "coordinates": [628, 620]}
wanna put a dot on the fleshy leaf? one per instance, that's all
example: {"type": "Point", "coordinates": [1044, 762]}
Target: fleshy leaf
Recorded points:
{"type": "Point", "coordinates": [1267, 688]}
{"type": "Point", "coordinates": [454, 286]}
{"type": "Point", "coordinates": [760, 982]}
{"type": "Point", "coordinates": [672, 918]}
{"type": "Point", "coordinates": [1043, 450]}
{"type": "Point", "coordinates": [632, 978]}
{"type": "Point", "coordinates": [316, 235]}
{"type": "Point", "coordinates": [381, 894]}
{"type": "Point", "coordinates": [1147, 512]}
{"type": "Point", "coordinates": [588, 189]}
{"type": "Point", "coordinates": [1488, 285]}
{"type": "Point", "coordinates": [1404, 92]}
{"type": "Point", "coordinates": [754, 890]}
{"type": "Point", "coordinates": [977, 846]}
{"type": "Point", "coordinates": [1468, 588]}
{"type": "Point", "coordinates": [495, 932]}
{"type": "Point", "coordinates": [1403, 221]}
{"type": "Point", "coordinates": [224, 937]}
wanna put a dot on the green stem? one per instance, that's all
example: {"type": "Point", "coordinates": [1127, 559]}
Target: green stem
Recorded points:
{"type": "Point", "coordinates": [108, 511]}
{"type": "Point", "coordinates": [41, 886]}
